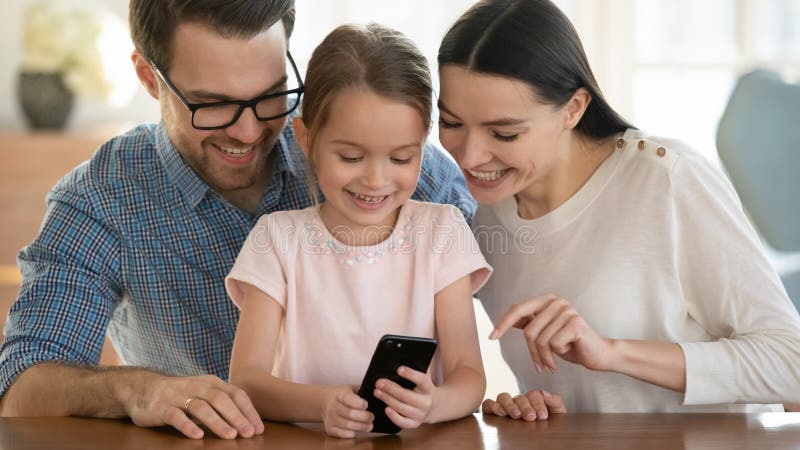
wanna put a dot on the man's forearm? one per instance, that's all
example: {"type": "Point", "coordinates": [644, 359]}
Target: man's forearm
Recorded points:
{"type": "Point", "coordinates": [51, 389]}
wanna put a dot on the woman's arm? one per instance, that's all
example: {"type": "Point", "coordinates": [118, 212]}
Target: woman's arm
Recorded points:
{"type": "Point", "coordinates": [551, 326]}
{"type": "Point", "coordinates": [727, 286]}
{"type": "Point", "coordinates": [734, 293]}
{"type": "Point", "coordinates": [252, 360]}
{"type": "Point", "coordinates": [659, 363]}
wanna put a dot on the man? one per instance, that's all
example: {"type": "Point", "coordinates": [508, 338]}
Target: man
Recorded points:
{"type": "Point", "coordinates": [137, 242]}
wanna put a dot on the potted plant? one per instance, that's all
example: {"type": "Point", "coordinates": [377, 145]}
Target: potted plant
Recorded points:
{"type": "Point", "coordinates": [68, 50]}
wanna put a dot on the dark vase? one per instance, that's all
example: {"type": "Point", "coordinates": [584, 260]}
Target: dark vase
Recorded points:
{"type": "Point", "coordinates": [45, 100]}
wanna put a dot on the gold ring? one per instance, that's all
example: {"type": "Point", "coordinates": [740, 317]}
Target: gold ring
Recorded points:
{"type": "Point", "coordinates": [186, 403]}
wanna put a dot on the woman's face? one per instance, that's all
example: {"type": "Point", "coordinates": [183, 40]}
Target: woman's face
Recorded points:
{"type": "Point", "coordinates": [501, 136]}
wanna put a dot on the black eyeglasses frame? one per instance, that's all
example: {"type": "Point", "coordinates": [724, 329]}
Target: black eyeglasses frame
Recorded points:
{"type": "Point", "coordinates": [194, 107]}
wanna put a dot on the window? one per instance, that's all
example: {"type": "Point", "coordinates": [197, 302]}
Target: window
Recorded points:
{"type": "Point", "coordinates": [669, 65]}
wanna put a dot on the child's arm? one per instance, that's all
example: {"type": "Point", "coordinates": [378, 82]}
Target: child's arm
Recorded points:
{"type": "Point", "coordinates": [464, 382]}
{"type": "Point", "coordinates": [342, 411]}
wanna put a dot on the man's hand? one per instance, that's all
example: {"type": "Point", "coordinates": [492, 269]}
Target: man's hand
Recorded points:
{"type": "Point", "coordinates": [185, 402]}
{"type": "Point", "coordinates": [149, 398]}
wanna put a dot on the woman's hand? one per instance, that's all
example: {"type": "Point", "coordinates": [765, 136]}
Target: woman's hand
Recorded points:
{"type": "Point", "coordinates": [551, 325]}
{"type": "Point", "coordinates": [533, 405]}
{"type": "Point", "coordinates": [344, 413]}
{"type": "Point", "coordinates": [407, 408]}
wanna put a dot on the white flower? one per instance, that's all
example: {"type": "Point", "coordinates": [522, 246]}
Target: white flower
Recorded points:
{"type": "Point", "coordinates": [84, 43]}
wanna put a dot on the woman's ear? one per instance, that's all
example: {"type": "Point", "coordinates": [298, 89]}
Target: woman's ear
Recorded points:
{"type": "Point", "coordinates": [576, 107]}
{"type": "Point", "coordinates": [146, 73]}
{"type": "Point", "coordinates": [301, 134]}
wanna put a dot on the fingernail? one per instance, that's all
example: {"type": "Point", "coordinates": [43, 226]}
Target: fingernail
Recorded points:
{"type": "Point", "coordinates": [543, 415]}
{"type": "Point", "coordinates": [494, 334]}
{"type": "Point", "coordinates": [515, 413]}
{"type": "Point", "coordinates": [547, 394]}
{"type": "Point", "coordinates": [401, 370]}
{"type": "Point", "coordinates": [539, 368]}
{"type": "Point", "coordinates": [530, 416]}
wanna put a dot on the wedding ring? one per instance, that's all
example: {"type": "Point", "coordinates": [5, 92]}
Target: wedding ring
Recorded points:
{"type": "Point", "coordinates": [186, 403]}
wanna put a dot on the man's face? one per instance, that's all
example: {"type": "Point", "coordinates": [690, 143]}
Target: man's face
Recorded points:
{"type": "Point", "coordinates": [207, 67]}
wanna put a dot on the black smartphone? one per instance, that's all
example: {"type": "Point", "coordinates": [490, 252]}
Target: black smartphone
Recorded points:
{"type": "Point", "coordinates": [391, 353]}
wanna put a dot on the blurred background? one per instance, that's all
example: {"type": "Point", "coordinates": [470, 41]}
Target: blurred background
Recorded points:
{"type": "Point", "coordinates": [669, 66]}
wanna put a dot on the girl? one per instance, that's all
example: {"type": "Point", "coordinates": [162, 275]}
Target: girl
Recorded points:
{"type": "Point", "coordinates": [664, 300]}
{"type": "Point", "coordinates": [318, 287]}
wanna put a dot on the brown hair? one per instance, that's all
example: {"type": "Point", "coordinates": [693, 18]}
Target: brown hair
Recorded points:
{"type": "Point", "coordinates": [153, 22]}
{"type": "Point", "coordinates": [374, 57]}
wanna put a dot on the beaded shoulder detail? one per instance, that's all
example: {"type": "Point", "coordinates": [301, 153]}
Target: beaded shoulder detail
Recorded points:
{"type": "Point", "coordinates": [318, 241]}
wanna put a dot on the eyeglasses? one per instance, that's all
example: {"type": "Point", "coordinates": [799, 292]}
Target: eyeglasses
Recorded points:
{"type": "Point", "coordinates": [218, 115]}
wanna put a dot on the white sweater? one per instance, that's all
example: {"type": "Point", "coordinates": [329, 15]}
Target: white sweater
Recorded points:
{"type": "Point", "coordinates": [658, 248]}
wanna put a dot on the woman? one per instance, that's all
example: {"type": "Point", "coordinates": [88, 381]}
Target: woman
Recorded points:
{"type": "Point", "coordinates": [663, 299]}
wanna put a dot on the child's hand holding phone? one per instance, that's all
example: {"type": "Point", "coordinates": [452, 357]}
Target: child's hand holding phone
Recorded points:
{"type": "Point", "coordinates": [396, 386]}
{"type": "Point", "coordinates": [344, 412]}
{"type": "Point", "coordinates": [407, 408]}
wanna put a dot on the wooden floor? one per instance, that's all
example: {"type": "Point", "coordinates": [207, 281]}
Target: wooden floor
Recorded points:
{"type": "Point", "coordinates": [30, 164]}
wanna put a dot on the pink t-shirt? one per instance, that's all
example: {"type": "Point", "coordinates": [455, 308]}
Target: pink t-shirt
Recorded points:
{"type": "Point", "coordinates": [339, 300]}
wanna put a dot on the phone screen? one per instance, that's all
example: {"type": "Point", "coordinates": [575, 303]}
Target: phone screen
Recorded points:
{"type": "Point", "coordinates": [391, 353]}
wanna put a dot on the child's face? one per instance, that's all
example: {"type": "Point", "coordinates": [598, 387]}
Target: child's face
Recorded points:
{"type": "Point", "coordinates": [368, 158]}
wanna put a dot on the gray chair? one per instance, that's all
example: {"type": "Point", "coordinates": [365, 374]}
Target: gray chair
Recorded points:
{"type": "Point", "coordinates": [758, 140]}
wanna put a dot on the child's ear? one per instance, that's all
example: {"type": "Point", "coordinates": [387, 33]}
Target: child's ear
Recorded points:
{"type": "Point", "coordinates": [301, 134]}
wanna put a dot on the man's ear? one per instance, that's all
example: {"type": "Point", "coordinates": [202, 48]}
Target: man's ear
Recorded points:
{"type": "Point", "coordinates": [576, 107]}
{"type": "Point", "coordinates": [301, 134]}
{"type": "Point", "coordinates": [146, 73]}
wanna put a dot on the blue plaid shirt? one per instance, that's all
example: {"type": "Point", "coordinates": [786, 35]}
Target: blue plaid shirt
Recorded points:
{"type": "Point", "coordinates": [135, 244]}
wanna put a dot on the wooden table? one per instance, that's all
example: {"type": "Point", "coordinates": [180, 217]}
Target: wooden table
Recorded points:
{"type": "Point", "coordinates": [566, 431]}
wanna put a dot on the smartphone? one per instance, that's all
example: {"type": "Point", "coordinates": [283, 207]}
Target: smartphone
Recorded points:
{"type": "Point", "coordinates": [391, 353]}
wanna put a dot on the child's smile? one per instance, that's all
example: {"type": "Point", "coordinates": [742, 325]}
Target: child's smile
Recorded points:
{"type": "Point", "coordinates": [367, 157]}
